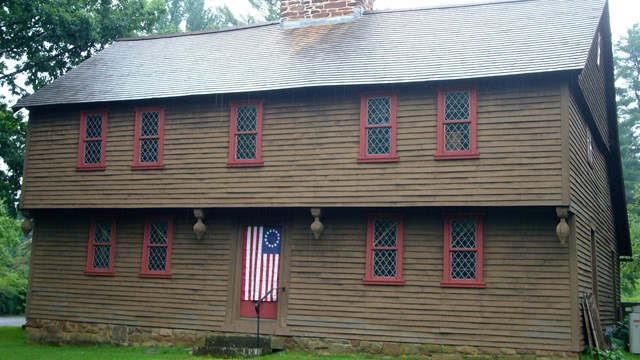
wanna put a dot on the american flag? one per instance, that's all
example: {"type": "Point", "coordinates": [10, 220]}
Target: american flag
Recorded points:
{"type": "Point", "coordinates": [261, 262]}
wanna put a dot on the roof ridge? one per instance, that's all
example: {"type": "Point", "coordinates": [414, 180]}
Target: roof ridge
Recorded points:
{"type": "Point", "coordinates": [445, 6]}
{"type": "Point", "coordinates": [198, 32]}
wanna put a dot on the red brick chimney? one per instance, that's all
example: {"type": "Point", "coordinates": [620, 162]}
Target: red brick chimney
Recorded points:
{"type": "Point", "coordinates": [300, 13]}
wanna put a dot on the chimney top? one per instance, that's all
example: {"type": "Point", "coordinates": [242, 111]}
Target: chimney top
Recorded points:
{"type": "Point", "coordinates": [302, 13]}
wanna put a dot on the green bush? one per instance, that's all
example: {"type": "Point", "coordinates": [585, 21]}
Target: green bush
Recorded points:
{"type": "Point", "coordinates": [13, 293]}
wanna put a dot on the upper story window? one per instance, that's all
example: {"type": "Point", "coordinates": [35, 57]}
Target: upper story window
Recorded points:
{"type": "Point", "coordinates": [149, 139]}
{"type": "Point", "coordinates": [378, 128]}
{"type": "Point", "coordinates": [590, 154]}
{"type": "Point", "coordinates": [156, 249]}
{"type": "Point", "coordinates": [245, 135]}
{"type": "Point", "coordinates": [463, 251]}
{"type": "Point", "coordinates": [599, 49]}
{"type": "Point", "coordinates": [93, 140]}
{"type": "Point", "coordinates": [102, 246]}
{"type": "Point", "coordinates": [456, 135]}
{"type": "Point", "coordinates": [384, 250]}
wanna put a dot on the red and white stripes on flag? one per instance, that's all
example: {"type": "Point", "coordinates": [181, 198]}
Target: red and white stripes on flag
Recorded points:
{"type": "Point", "coordinates": [261, 262]}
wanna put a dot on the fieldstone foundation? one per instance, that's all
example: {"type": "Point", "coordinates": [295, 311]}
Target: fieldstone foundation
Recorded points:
{"type": "Point", "coordinates": [68, 332]}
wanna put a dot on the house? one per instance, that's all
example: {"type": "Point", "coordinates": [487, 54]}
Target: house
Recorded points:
{"type": "Point", "coordinates": [399, 182]}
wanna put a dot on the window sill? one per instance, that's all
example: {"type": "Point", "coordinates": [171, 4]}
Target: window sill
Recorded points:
{"type": "Point", "coordinates": [99, 273]}
{"type": "Point", "coordinates": [394, 282]}
{"type": "Point", "coordinates": [91, 167]}
{"type": "Point", "coordinates": [147, 167]}
{"type": "Point", "coordinates": [459, 156]}
{"type": "Point", "coordinates": [454, 284]}
{"type": "Point", "coordinates": [246, 164]}
{"type": "Point", "coordinates": [159, 276]}
{"type": "Point", "coordinates": [365, 160]}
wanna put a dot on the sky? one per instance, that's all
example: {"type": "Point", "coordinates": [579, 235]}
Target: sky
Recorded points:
{"type": "Point", "coordinates": [624, 13]}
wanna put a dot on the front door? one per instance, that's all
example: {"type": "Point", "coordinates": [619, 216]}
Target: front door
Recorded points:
{"type": "Point", "coordinates": [260, 271]}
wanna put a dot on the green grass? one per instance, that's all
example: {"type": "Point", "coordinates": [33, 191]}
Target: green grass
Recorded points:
{"type": "Point", "coordinates": [12, 346]}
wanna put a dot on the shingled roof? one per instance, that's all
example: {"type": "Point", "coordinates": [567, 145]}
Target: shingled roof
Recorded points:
{"type": "Point", "coordinates": [413, 45]}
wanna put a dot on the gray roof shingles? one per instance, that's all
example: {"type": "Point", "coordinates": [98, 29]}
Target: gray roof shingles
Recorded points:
{"type": "Point", "coordinates": [430, 44]}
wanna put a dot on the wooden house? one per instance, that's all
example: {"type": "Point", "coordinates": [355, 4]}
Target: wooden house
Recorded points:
{"type": "Point", "coordinates": [398, 182]}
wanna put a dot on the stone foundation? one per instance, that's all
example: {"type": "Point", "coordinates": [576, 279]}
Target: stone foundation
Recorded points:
{"type": "Point", "coordinates": [67, 332]}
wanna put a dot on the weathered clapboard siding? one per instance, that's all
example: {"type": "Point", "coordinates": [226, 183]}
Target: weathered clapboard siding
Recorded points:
{"type": "Point", "coordinates": [310, 147]}
{"type": "Point", "coordinates": [524, 305]}
{"type": "Point", "coordinates": [591, 205]}
{"type": "Point", "coordinates": [592, 82]}
{"type": "Point", "coordinates": [194, 298]}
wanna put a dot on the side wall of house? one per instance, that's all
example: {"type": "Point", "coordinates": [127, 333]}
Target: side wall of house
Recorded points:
{"type": "Point", "coordinates": [590, 189]}
{"type": "Point", "coordinates": [310, 151]}
{"type": "Point", "coordinates": [525, 305]}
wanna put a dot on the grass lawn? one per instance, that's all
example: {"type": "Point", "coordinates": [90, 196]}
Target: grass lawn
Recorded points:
{"type": "Point", "coordinates": [12, 347]}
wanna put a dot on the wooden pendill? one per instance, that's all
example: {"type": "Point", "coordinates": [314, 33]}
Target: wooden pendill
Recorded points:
{"type": "Point", "coordinates": [26, 225]}
{"type": "Point", "coordinates": [199, 228]}
{"type": "Point", "coordinates": [316, 226]}
{"type": "Point", "coordinates": [562, 229]}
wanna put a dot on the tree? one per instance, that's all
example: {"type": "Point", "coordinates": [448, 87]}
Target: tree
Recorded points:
{"type": "Point", "coordinates": [14, 265]}
{"type": "Point", "coordinates": [12, 142]}
{"type": "Point", "coordinates": [627, 59]}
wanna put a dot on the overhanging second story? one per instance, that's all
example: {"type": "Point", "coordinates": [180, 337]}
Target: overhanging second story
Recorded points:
{"type": "Point", "coordinates": [451, 106]}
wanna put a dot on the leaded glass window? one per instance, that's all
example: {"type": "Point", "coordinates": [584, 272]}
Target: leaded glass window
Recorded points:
{"type": "Point", "coordinates": [456, 123]}
{"type": "Point", "coordinates": [246, 128]}
{"type": "Point", "coordinates": [149, 138]}
{"type": "Point", "coordinates": [92, 141]}
{"type": "Point", "coordinates": [384, 249]}
{"type": "Point", "coordinates": [463, 250]}
{"type": "Point", "coordinates": [101, 246]}
{"type": "Point", "coordinates": [157, 247]}
{"type": "Point", "coordinates": [378, 122]}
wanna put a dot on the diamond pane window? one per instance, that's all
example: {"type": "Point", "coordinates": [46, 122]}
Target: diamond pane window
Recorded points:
{"type": "Point", "coordinates": [149, 139]}
{"type": "Point", "coordinates": [463, 251]}
{"type": "Point", "coordinates": [101, 249]}
{"type": "Point", "coordinates": [245, 136]}
{"type": "Point", "coordinates": [456, 135]}
{"type": "Point", "coordinates": [384, 250]}
{"type": "Point", "coordinates": [93, 138]}
{"type": "Point", "coordinates": [156, 251]}
{"type": "Point", "coordinates": [378, 128]}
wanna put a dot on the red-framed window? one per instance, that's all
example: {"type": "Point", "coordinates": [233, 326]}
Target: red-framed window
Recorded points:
{"type": "Point", "coordinates": [156, 248]}
{"type": "Point", "coordinates": [93, 140]}
{"type": "Point", "coordinates": [378, 127]}
{"type": "Point", "coordinates": [456, 135]}
{"type": "Point", "coordinates": [102, 246]}
{"type": "Point", "coordinates": [463, 256]}
{"type": "Point", "coordinates": [245, 135]}
{"type": "Point", "coordinates": [148, 147]}
{"type": "Point", "coordinates": [384, 250]}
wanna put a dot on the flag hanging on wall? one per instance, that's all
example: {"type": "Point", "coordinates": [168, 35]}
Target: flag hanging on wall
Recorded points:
{"type": "Point", "coordinates": [261, 262]}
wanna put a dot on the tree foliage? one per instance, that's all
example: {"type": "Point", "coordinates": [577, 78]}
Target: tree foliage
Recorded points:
{"type": "Point", "coordinates": [627, 57]}
{"type": "Point", "coordinates": [12, 143]}
{"type": "Point", "coordinates": [14, 265]}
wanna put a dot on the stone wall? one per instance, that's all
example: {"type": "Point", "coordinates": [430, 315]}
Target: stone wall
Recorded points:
{"type": "Point", "coordinates": [68, 332]}
{"type": "Point", "coordinates": [295, 10]}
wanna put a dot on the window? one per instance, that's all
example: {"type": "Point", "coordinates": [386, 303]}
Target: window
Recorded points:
{"type": "Point", "coordinates": [102, 246]}
{"type": "Point", "coordinates": [384, 250]}
{"type": "Point", "coordinates": [456, 135]}
{"type": "Point", "coordinates": [590, 155]}
{"type": "Point", "coordinates": [93, 140]}
{"type": "Point", "coordinates": [149, 139]}
{"type": "Point", "coordinates": [463, 251]}
{"type": "Point", "coordinates": [245, 135]}
{"type": "Point", "coordinates": [378, 128]}
{"type": "Point", "coordinates": [599, 50]}
{"type": "Point", "coordinates": [156, 250]}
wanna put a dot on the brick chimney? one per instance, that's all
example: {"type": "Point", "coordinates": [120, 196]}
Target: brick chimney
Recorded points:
{"type": "Point", "coordinates": [301, 13]}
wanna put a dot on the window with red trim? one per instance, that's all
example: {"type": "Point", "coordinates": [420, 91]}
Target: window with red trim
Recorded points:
{"type": "Point", "coordinates": [149, 139]}
{"type": "Point", "coordinates": [156, 249]}
{"type": "Point", "coordinates": [463, 251]}
{"type": "Point", "coordinates": [378, 128]}
{"type": "Point", "coordinates": [245, 135]}
{"type": "Point", "coordinates": [102, 246]}
{"type": "Point", "coordinates": [456, 135]}
{"type": "Point", "coordinates": [93, 140]}
{"type": "Point", "coordinates": [384, 250]}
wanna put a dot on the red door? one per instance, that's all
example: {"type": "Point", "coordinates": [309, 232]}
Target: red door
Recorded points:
{"type": "Point", "coordinates": [260, 271]}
